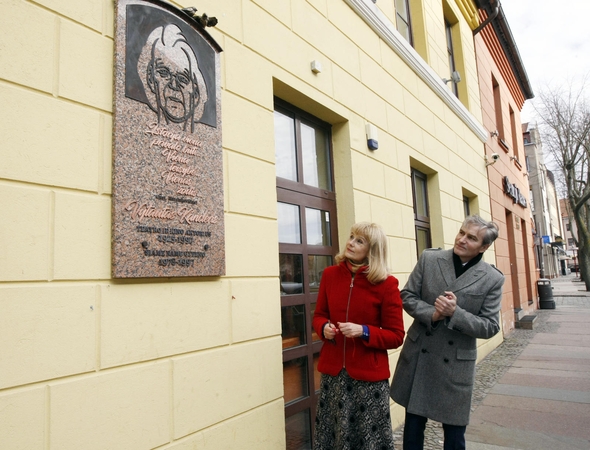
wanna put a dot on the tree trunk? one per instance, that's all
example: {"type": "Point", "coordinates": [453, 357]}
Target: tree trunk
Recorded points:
{"type": "Point", "coordinates": [581, 216]}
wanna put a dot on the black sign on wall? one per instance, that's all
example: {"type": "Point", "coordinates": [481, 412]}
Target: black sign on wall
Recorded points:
{"type": "Point", "coordinates": [168, 216]}
{"type": "Point", "coordinates": [513, 191]}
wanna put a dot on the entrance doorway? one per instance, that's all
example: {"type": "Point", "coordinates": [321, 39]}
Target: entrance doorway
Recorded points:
{"type": "Point", "coordinates": [306, 213]}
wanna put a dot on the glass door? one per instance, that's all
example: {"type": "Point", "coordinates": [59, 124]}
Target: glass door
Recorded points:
{"type": "Point", "coordinates": [306, 212]}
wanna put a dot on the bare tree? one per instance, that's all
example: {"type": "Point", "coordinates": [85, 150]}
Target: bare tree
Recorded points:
{"type": "Point", "coordinates": [565, 130]}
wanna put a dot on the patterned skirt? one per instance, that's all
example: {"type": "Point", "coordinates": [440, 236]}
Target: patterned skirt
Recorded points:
{"type": "Point", "coordinates": [353, 415]}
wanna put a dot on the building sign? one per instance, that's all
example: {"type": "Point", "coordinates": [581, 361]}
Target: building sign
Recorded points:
{"type": "Point", "coordinates": [513, 191]}
{"type": "Point", "coordinates": [558, 242]}
{"type": "Point", "coordinates": [168, 218]}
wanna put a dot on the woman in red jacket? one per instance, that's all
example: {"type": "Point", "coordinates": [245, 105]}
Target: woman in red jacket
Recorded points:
{"type": "Point", "coordinates": [359, 316]}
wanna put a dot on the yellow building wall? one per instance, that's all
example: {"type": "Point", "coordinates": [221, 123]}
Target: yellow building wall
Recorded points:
{"type": "Point", "coordinates": [88, 362]}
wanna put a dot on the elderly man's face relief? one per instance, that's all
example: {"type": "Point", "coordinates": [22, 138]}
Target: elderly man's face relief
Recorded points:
{"type": "Point", "coordinates": [174, 85]}
{"type": "Point", "coordinates": [469, 242]}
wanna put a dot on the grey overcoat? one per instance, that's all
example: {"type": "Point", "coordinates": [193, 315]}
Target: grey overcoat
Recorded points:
{"type": "Point", "coordinates": [436, 369]}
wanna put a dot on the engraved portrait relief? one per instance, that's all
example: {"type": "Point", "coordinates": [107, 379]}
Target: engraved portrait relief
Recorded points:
{"type": "Point", "coordinates": [173, 83]}
{"type": "Point", "coordinates": [170, 68]}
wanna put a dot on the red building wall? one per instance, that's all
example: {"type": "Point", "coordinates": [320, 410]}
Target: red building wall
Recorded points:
{"type": "Point", "coordinates": [502, 101]}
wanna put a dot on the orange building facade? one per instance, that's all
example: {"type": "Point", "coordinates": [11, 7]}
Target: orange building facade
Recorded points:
{"type": "Point", "coordinates": [504, 87]}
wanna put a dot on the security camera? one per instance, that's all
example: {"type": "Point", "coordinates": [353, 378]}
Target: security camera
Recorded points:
{"type": "Point", "coordinates": [455, 77]}
{"type": "Point", "coordinates": [495, 157]}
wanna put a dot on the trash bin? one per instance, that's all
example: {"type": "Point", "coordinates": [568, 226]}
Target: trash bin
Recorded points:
{"type": "Point", "coordinates": [545, 294]}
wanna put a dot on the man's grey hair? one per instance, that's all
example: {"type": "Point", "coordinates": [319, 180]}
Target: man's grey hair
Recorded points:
{"type": "Point", "coordinates": [490, 228]}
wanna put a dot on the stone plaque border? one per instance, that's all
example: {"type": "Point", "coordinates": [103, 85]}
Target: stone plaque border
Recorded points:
{"type": "Point", "coordinates": [167, 209]}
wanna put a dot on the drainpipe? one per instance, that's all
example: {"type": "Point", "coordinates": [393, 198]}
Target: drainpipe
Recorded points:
{"type": "Point", "coordinates": [491, 17]}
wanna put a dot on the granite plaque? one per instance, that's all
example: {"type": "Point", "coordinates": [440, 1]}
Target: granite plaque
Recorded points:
{"type": "Point", "coordinates": [168, 216]}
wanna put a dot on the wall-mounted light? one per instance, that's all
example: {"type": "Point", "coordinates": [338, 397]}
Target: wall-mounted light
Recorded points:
{"type": "Point", "coordinates": [316, 66]}
{"type": "Point", "coordinates": [372, 137]}
{"type": "Point", "coordinates": [494, 133]}
{"type": "Point", "coordinates": [455, 77]}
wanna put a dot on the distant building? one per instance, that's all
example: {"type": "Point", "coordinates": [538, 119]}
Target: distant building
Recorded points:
{"type": "Point", "coordinates": [570, 235]}
{"type": "Point", "coordinates": [544, 205]}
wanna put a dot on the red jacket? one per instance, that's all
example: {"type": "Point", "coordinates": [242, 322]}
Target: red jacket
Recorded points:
{"type": "Point", "coordinates": [378, 306]}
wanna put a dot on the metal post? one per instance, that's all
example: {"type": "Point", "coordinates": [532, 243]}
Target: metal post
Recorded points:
{"type": "Point", "coordinates": [541, 258]}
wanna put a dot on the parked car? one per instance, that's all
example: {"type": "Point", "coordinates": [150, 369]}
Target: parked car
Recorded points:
{"type": "Point", "coordinates": [574, 267]}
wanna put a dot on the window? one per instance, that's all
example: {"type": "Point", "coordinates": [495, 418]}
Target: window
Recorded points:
{"type": "Point", "coordinates": [466, 208]}
{"type": "Point", "coordinates": [306, 216]}
{"type": "Point", "coordinates": [498, 112]}
{"type": "Point", "coordinates": [514, 132]}
{"type": "Point", "coordinates": [402, 19]}
{"type": "Point", "coordinates": [451, 55]}
{"type": "Point", "coordinates": [421, 211]}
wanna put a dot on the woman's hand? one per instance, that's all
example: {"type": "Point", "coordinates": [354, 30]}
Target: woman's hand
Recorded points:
{"type": "Point", "coordinates": [330, 331]}
{"type": "Point", "coordinates": [350, 330]}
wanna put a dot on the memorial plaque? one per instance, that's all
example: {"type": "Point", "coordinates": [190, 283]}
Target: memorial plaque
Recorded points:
{"type": "Point", "coordinates": [168, 167]}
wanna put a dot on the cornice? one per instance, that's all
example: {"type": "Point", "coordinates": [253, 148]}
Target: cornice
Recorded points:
{"type": "Point", "coordinates": [369, 12]}
{"type": "Point", "coordinates": [469, 11]}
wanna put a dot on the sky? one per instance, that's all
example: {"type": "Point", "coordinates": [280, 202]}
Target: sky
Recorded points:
{"type": "Point", "coordinates": [553, 39]}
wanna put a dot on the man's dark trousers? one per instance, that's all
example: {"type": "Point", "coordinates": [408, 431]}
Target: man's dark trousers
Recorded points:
{"type": "Point", "coordinates": [414, 434]}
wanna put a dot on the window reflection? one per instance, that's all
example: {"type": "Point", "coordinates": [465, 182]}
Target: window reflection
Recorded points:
{"type": "Point", "coordinates": [286, 158]}
{"type": "Point", "coordinates": [422, 240]}
{"type": "Point", "coordinates": [466, 207]}
{"type": "Point", "coordinates": [314, 335]}
{"type": "Point", "coordinates": [289, 225]}
{"type": "Point", "coordinates": [421, 213]}
{"type": "Point", "coordinates": [402, 13]}
{"type": "Point", "coordinates": [317, 264]}
{"type": "Point", "coordinates": [421, 196]}
{"type": "Point", "coordinates": [315, 153]}
{"type": "Point", "coordinates": [291, 267]}
{"type": "Point", "coordinates": [317, 376]}
{"type": "Point", "coordinates": [293, 324]}
{"type": "Point", "coordinates": [295, 379]}
{"type": "Point", "coordinates": [298, 430]}
{"type": "Point", "coordinates": [318, 227]}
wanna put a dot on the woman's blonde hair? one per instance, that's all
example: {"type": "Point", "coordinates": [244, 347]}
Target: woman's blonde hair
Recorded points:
{"type": "Point", "coordinates": [377, 256]}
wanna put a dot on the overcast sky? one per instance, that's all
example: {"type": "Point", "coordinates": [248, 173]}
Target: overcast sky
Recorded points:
{"type": "Point", "coordinates": [553, 39]}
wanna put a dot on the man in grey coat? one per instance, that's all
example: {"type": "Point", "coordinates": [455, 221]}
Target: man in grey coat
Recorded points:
{"type": "Point", "coordinates": [454, 298]}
